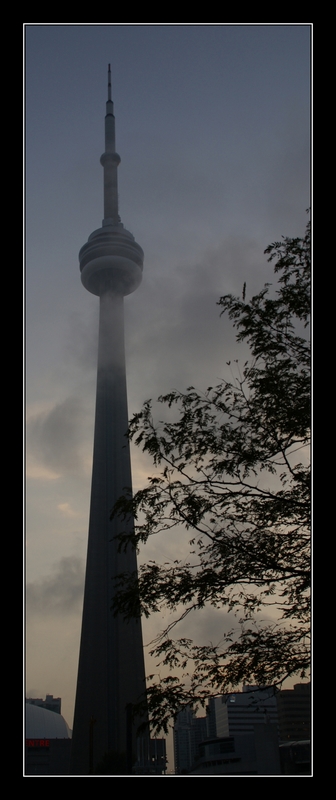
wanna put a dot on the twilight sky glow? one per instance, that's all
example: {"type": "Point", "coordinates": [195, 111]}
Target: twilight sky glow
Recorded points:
{"type": "Point", "coordinates": [213, 130]}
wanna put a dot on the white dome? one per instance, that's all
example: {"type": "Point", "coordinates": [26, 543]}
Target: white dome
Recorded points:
{"type": "Point", "coordinates": [44, 724]}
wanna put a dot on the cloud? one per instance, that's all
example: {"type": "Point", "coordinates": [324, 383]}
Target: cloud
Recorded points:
{"type": "Point", "coordinates": [176, 336]}
{"type": "Point", "coordinates": [66, 509]}
{"type": "Point", "coordinates": [54, 437]}
{"type": "Point", "coordinates": [39, 472]}
{"type": "Point", "coordinates": [60, 593]}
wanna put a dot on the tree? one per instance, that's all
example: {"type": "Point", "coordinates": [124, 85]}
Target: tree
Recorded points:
{"type": "Point", "coordinates": [232, 470]}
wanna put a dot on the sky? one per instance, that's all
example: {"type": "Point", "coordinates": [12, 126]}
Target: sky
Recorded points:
{"type": "Point", "coordinates": [213, 131]}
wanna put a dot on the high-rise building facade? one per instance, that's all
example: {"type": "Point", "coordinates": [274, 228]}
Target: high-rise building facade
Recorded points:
{"type": "Point", "coordinates": [240, 712]}
{"type": "Point", "coordinates": [189, 732]}
{"type": "Point", "coordinates": [238, 736]}
{"type": "Point", "coordinates": [294, 710]}
{"type": "Point", "coordinates": [111, 675]}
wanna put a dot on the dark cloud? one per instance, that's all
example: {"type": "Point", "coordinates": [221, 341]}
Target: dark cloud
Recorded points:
{"type": "Point", "coordinates": [55, 436]}
{"type": "Point", "coordinates": [174, 330]}
{"type": "Point", "coordinates": [59, 593]}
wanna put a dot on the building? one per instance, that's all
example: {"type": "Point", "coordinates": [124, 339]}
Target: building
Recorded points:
{"type": "Point", "coordinates": [51, 703]}
{"type": "Point", "coordinates": [48, 740]}
{"type": "Point", "coordinates": [294, 712]}
{"type": "Point", "coordinates": [277, 721]}
{"type": "Point", "coordinates": [111, 675]}
{"type": "Point", "coordinates": [295, 758]}
{"type": "Point", "coordinates": [242, 735]}
{"type": "Point", "coordinates": [157, 757]}
{"type": "Point", "coordinates": [189, 732]}
{"type": "Point", "coordinates": [238, 736]}
{"type": "Point", "coordinates": [255, 753]}
{"type": "Point", "coordinates": [241, 712]}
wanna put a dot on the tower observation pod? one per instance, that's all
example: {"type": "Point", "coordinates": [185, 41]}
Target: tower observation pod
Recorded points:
{"type": "Point", "coordinates": [111, 673]}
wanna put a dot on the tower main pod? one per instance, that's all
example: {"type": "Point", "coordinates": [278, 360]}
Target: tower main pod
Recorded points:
{"type": "Point", "coordinates": [111, 673]}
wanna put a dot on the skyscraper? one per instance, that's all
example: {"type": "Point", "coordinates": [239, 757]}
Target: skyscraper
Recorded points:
{"type": "Point", "coordinates": [111, 672]}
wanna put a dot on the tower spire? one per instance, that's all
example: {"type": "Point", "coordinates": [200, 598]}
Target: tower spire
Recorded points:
{"type": "Point", "coordinates": [110, 161]}
{"type": "Point", "coordinates": [109, 84]}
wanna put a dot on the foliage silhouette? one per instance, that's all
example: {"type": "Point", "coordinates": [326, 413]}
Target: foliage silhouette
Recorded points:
{"type": "Point", "coordinates": [233, 471]}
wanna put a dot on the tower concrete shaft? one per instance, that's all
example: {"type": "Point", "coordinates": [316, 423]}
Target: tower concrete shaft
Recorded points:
{"type": "Point", "coordinates": [111, 674]}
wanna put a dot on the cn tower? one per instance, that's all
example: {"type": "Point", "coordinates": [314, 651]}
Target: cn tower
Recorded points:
{"type": "Point", "coordinates": [111, 674]}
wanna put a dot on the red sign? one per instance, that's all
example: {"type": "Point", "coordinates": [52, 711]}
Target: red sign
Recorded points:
{"type": "Point", "coordinates": [37, 742]}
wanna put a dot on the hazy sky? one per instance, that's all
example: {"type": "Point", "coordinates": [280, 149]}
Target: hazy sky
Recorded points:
{"type": "Point", "coordinates": [213, 130]}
